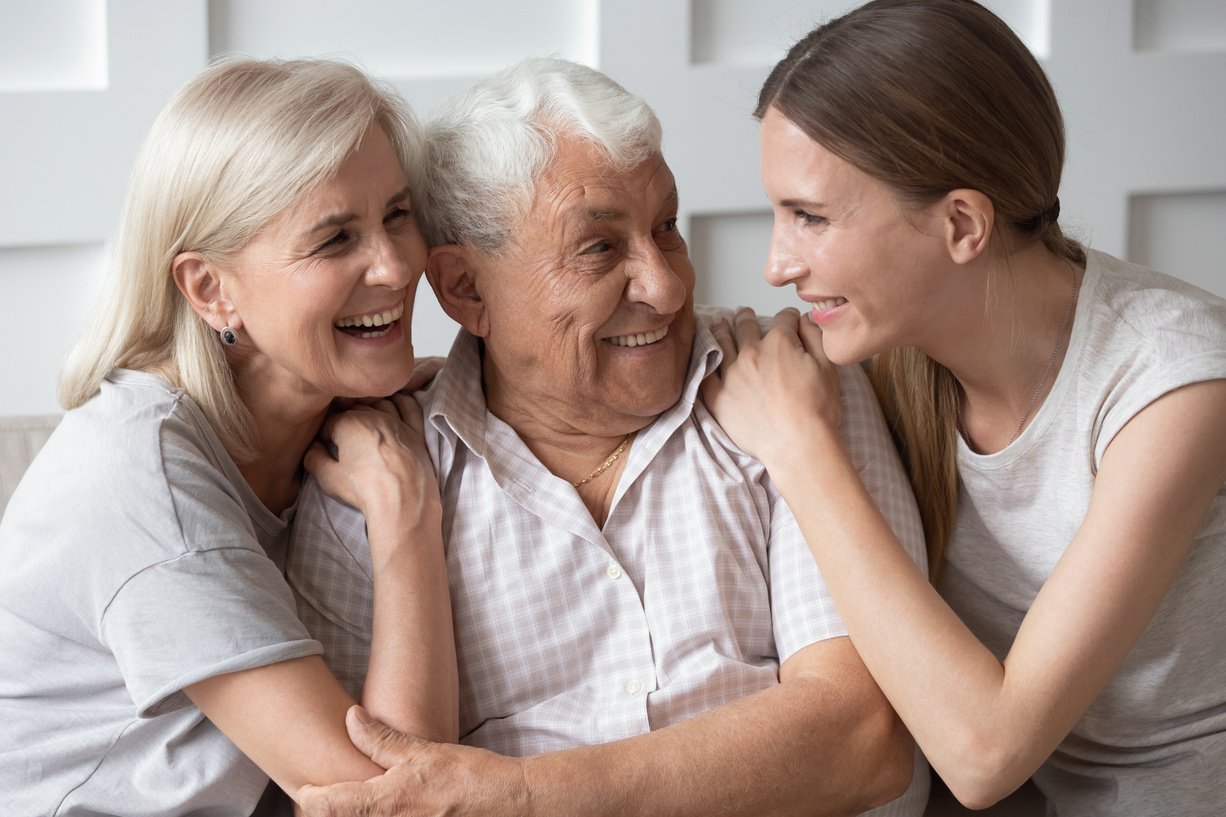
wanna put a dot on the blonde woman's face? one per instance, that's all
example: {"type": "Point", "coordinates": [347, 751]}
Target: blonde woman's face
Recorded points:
{"type": "Point", "coordinates": [324, 293]}
{"type": "Point", "coordinates": [872, 274]}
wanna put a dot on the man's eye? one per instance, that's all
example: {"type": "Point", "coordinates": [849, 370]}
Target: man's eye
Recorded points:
{"type": "Point", "coordinates": [598, 248]}
{"type": "Point", "coordinates": [669, 226]}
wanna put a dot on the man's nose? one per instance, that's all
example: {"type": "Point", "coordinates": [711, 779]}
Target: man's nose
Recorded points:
{"type": "Point", "coordinates": [657, 282]}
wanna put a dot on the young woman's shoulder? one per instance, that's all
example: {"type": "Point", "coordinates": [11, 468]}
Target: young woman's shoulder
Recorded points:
{"type": "Point", "coordinates": [1152, 303]}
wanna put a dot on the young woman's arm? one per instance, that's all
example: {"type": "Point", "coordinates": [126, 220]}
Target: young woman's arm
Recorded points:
{"type": "Point", "coordinates": [988, 731]}
{"type": "Point", "coordinates": [289, 717]}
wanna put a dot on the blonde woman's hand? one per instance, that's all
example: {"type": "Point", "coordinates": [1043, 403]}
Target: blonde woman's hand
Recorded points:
{"type": "Point", "coordinates": [772, 390]}
{"type": "Point", "coordinates": [373, 456]}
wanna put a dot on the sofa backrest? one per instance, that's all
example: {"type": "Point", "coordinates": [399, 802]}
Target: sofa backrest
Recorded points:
{"type": "Point", "coordinates": [20, 439]}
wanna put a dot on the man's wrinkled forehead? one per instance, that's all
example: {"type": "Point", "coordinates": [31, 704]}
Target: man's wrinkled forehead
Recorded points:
{"type": "Point", "coordinates": [580, 186]}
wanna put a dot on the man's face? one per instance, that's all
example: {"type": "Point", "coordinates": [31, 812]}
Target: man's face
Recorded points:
{"type": "Point", "coordinates": [590, 305]}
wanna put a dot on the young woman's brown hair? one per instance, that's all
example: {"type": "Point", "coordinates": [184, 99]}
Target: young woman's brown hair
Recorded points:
{"type": "Point", "coordinates": [928, 96]}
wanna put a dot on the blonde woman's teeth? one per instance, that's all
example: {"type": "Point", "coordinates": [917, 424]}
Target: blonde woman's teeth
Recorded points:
{"type": "Point", "coordinates": [640, 339]}
{"type": "Point", "coordinates": [379, 322]}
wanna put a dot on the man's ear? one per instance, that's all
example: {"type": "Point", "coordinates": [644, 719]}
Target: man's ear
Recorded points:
{"type": "Point", "coordinates": [968, 218]}
{"type": "Point", "coordinates": [200, 283]}
{"type": "Point", "coordinates": [453, 277]}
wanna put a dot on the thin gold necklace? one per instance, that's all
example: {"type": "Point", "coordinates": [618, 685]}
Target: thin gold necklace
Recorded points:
{"type": "Point", "coordinates": [604, 466]}
{"type": "Point", "coordinates": [1068, 320]}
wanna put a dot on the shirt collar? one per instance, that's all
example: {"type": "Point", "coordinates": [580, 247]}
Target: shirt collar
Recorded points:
{"type": "Point", "coordinates": [455, 400]}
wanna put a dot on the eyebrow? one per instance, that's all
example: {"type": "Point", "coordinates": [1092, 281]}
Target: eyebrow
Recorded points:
{"type": "Point", "coordinates": [614, 214]}
{"type": "Point", "coordinates": [816, 205]}
{"type": "Point", "coordinates": [337, 219]}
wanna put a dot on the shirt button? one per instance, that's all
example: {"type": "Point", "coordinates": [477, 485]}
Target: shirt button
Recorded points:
{"type": "Point", "coordinates": [634, 688]}
{"type": "Point", "coordinates": [614, 571]}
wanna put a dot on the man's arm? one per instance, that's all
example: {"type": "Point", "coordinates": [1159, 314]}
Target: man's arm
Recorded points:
{"type": "Point", "coordinates": [822, 742]}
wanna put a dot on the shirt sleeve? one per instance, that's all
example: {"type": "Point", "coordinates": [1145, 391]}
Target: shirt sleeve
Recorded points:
{"type": "Point", "coordinates": [876, 459]}
{"type": "Point", "coordinates": [196, 616]}
{"type": "Point", "coordinates": [802, 609]}
{"type": "Point", "coordinates": [329, 571]}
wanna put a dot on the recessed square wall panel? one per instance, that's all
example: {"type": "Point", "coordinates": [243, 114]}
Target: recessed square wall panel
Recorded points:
{"type": "Point", "coordinates": [53, 45]}
{"type": "Point", "coordinates": [1179, 25]}
{"type": "Point", "coordinates": [56, 288]}
{"type": "Point", "coordinates": [729, 255]}
{"type": "Point", "coordinates": [407, 40]}
{"type": "Point", "coordinates": [735, 32]}
{"type": "Point", "coordinates": [1181, 234]}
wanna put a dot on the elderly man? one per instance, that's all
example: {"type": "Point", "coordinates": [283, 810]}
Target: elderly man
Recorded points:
{"type": "Point", "coordinates": [639, 625]}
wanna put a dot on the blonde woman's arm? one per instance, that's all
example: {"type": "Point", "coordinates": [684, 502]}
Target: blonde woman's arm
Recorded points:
{"type": "Point", "coordinates": [289, 717]}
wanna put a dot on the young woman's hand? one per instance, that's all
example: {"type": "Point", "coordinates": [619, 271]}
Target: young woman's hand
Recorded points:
{"type": "Point", "coordinates": [769, 391]}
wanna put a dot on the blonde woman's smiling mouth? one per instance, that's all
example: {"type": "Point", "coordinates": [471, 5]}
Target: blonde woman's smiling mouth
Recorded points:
{"type": "Point", "coordinates": [374, 325]}
{"type": "Point", "coordinates": [638, 339]}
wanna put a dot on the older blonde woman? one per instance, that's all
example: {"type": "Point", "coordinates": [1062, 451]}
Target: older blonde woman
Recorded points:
{"type": "Point", "coordinates": [266, 265]}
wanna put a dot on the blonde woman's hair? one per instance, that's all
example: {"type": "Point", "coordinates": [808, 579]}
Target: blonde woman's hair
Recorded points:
{"type": "Point", "coordinates": [929, 96]}
{"type": "Point", "coordinates": [232, 149]}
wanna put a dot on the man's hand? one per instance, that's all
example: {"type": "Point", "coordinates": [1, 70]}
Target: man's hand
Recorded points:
{"type": "Point", "coordinates": [422, 778]}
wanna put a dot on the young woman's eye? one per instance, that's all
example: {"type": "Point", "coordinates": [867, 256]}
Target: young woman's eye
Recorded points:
{"type": "Point", "coordinates": [808, 219]}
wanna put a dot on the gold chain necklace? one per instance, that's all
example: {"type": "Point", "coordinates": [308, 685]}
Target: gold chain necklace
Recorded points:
{"type": "Point", "coordinates": [1068, 319]}
{"type": "Point", "coordinates": [604, 466]}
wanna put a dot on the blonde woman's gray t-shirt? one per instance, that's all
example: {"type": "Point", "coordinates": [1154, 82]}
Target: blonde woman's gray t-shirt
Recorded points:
{"type": "Point", "coordinates": [1154, 740]}
{"type": "Point", "coordinates": [134, 561]}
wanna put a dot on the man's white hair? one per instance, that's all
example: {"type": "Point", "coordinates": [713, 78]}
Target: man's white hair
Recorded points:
{"type": "Point", "coordinates": [487, 146]}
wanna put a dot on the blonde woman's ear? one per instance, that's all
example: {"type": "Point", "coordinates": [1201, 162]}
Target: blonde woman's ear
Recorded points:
{"type": "Point", "coordinates": [968, 218]}
{"type": "Point", "coordinates": [200, 284]}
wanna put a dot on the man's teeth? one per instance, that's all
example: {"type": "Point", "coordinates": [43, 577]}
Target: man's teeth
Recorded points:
{"type": "Point", "coordinates": [641, 339]}
{"type": "Point", "coordinates": [381, 319]}
{"type": "Point", "coordinates": [822, 306]}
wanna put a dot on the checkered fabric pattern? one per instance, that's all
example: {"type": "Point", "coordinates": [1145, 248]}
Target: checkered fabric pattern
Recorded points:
{"type": "Point", "coordinates": [694, 591]}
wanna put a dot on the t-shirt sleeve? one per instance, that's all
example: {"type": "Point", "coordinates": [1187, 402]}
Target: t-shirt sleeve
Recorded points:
{"type": "Point", "coordinates": [329, 571]}
{"type": "Point", "coordinates": [199, 615]}
{"type": "Point", "coordinates": [1146, 335]}
{"type": "Point", "coordinates": [802, 609]}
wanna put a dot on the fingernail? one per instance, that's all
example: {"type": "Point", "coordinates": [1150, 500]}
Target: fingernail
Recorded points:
{"type": "Point", "coordinates": [363, 716]}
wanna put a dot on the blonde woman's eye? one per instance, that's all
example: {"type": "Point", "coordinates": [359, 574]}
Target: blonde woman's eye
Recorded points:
{"type": "Point", "coordinates": [335, 241]}
{"type": "Point", "coordinates": [808, 219]}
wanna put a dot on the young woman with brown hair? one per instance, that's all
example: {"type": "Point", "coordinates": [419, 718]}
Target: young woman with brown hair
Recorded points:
{"type": "Point", "coordinates": [1060, 410]}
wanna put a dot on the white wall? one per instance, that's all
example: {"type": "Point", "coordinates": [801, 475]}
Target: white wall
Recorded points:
{"type": "Point", "coordinates": [81, 80]}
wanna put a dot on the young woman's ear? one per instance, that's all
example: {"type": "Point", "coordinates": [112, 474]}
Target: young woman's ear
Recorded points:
{"type": "Point", "coordinates": [968, 218]}
{"type": "Point", "coordinates": [200, 283]}
{"type": "Point", "coordinates": [453, 277]}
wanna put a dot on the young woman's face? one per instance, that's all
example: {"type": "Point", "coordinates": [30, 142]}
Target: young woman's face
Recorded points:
{"type": "Point", "coordinates": [869, 269]}
{"type": "Point", "coordinates": [325, 291]}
